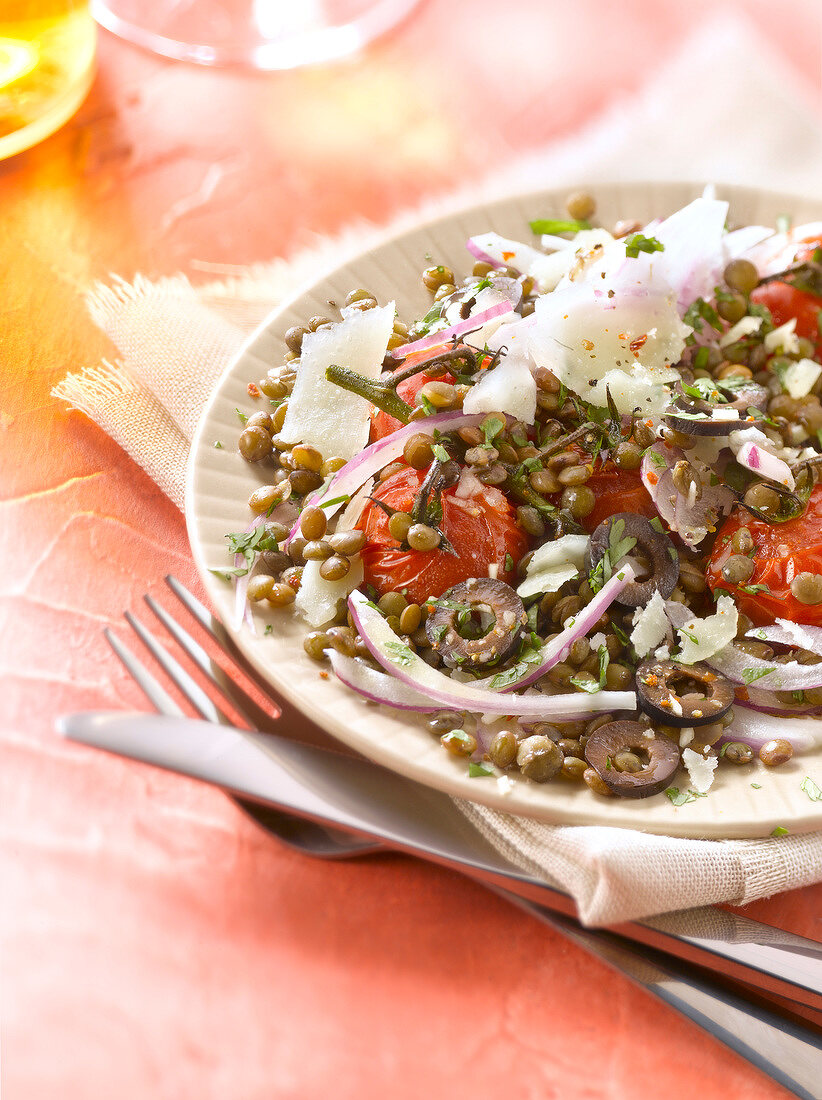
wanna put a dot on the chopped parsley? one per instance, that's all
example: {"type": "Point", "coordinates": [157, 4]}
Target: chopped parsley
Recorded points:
{"type": "Point", "coordinates": [701, 311]}
{"type": "Point", "coordinates": [681, 798]}
{"type": "Point", "coordinates": [637, 243]}
{"type": "Point", "coordinates": [248, 544]}
{"type": "Point", "coordinates": [399, 653]}
{"type": "Point", "coordinates": [811, 789]}
{"type": "Point", "coordinates": [242, 416]}
{"type": "Point", "coordinates": [227, 574]}
{"type": "Point", "coordinates": [618, 547]}
{"type": "Point", "coordinates": [585, 683]}
{"type": "Point", "coordinates": [604, 659]}
{"type": "Point", "coordinates": [491, 427]}
{"type": "Point", "coordinates": [440, 453]}
{"type": "Point", "coordinates": [780, 830]}
{"type": "Point", "coordinates": [477, 770]}
{"type": "Point", "coordinates": [558, 225]}
{"type": "Point", "coordinates": [749, 675]}
{"type": "Point", "coordinates": [432, 316]}
{"type": "Point", "coordinates": [509, 563]}
{"type": "Point", "coordinates": [752, 590]}
{"type": "Point", "coordinates": [218, 444]}
{"type": "Point", "coordinates": [757, 786]}
{"type": "Point", "coordinates": [527, 659]}
{"type": "Point", "coordinates": [335, 500]}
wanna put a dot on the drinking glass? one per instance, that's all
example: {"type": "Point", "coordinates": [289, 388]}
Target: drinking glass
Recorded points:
{"type": "Point", "coordinates": [46, 67]}
{"type": "Point", "coordinates": [259, 34]}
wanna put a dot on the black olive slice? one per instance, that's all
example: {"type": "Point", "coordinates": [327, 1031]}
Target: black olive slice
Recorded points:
{"type": "Point", "coordinates": [683, 695]}
{"type": "Point", "coordinates": [651, 544]}
{"type": "Point", "coordinates": [696, 416]}
{"type": "Point", "coordinates": [659, 756]}
{"type": "Point", "coordinates": [455, 622]}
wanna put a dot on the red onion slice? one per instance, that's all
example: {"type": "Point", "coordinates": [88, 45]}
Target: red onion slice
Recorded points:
{"type": "Point", "coordinates": [348, 479]}
{"type": "Point", "coordinates": [755, 729]}
{"type": "Point", "coordinates": [481, 255]}
{"type": "Point", "coordinates": [503, 252]}
{"type": "Point", "coordinates": [762, 462]}
{"type": "Point", "coordinates": [742, 668]}
{"type": "Point", "coordinates": [767, 702]}
{"type": "Point", "coordinates": [399, 659]}
{"type": "Point", "coordinates": [556, 650]}
{"type": "Point", "coordinates": [784, 632]}
{"type": "Point", "coordinates": [690, 519]}
{"type": "Point", "coordinates": [445, 335]}
{"type": "Point", "coordinates": [376, 686]}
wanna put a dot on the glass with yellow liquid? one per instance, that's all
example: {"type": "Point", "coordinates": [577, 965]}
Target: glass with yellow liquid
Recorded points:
{"type": "Point", "coordinates": [46, 67]}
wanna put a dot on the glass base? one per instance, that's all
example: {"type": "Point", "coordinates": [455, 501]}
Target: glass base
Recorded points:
{"type": "Point", "coordinates": [256, 34]}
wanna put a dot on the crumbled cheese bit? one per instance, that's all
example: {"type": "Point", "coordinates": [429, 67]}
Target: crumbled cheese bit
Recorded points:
{"type": "Point", "coordinates": [701, 638]}
{"type": "Point", "coordinates": [686, 736]}
{"type": "Point", "coordinates": [799, 378]}
{"type": "Point", "coordinates": [651, 625]}
{"type": "Point", "coordinates": [744, 327]}
{"type": "Point", "coordinates": [505, 784]}
{"type": "Point", "coordinates": [493, 570]}
{"type": "Point", "coordinates": [663, 653]}
{"type": "Point", "coordinates": [554, 563]}
{"type": "Point", "coordinates": [725, 413]}
{"type": "Point", "coordinates": [700, 770]}
{"type": "Point", "coordinates": [783, 337]}
{"type": "Point", "coordinates": [317, 598]}
{"type": "Point", "coordinates": [597, 640]}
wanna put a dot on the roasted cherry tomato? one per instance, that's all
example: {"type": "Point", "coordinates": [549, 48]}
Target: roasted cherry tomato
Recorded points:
{"type": "Point", "coordinates": [785, 301]}
{"type": "Point", "coordinates": [782, 551]}
{"type": "Point", "coordinates": [481, 529]}
{"type": "Point", "coordinates": [383, 424]}
{"type": "Point", "coordinates": [617, 491]}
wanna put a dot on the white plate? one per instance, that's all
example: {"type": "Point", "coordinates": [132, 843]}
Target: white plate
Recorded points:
{"type": "Point", "coordinates": [220, 483]}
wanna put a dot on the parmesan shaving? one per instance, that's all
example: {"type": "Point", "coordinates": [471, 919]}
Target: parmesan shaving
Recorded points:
{"type": "Point", "coordinates": [651, 626]}
{"type": "Point", "coordinates": [700, 770]}
{"type": "Point", "coordinates": [554, 563]}
{"type": "Point", "coordinates": [783, 337]}
{"type": "Point", "coordinates": [702, 638]}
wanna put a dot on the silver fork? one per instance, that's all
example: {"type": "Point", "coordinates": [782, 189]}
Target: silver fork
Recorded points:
{"type": "Point", "coordinates": [305, 836]}
{"type": "Point", "coordinates": [782, 1047]}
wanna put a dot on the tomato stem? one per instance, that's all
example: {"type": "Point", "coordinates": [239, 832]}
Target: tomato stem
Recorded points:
{"type": "Point", "coordinates": [378, 393]}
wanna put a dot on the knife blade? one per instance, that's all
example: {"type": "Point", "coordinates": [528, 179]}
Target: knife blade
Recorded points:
{"type": "Point", "coordinates": [367, 800]}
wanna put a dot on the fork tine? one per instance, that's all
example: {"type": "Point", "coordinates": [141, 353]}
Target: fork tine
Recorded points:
{"type": "Point", "coordinates": [200, 612]}
{"type": "Point", "coordinates": [221, 636]}
{"type": "Point", "coordinates": [291, 718]}
{"type": "Point", "coordinates": [156, 695]}
{"type": "Point", "coordinates": [178, 675]}
{"type": "Point", "coordinates": [239, 698]}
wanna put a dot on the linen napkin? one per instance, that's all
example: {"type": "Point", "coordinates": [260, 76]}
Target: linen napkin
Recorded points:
{"type": "Point", "coordinates": [725, 108]}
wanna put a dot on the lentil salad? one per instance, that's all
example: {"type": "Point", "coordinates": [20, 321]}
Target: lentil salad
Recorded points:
{"type": "Point", "coordinates": [492, 534]}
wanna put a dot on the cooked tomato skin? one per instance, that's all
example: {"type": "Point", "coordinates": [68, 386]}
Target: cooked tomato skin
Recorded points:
{"type": "Point", "coordinates": [782, 551]}
{"type": "Point", "coordinates": [786, 301]}
{"type": "Point", "coordinates": [481, 536]}
{"type": "Point", "coordinates": [383, 424]}
{"type": "Point", "coordinates": [615, 491]}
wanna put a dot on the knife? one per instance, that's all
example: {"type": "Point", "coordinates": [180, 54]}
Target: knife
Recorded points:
{"type": "Point", "coordinates": [365, 799]}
